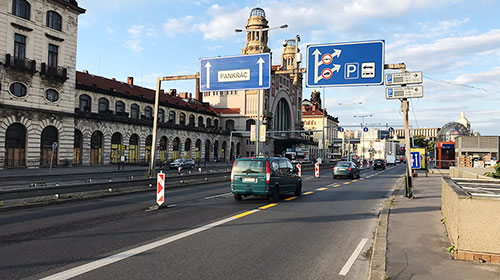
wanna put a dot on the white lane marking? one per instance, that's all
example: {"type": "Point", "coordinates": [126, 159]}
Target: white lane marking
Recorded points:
{"type": "Point", "coordinates": [219, 195]}
{"type": "Point", "coordinates": [331, 185]}
{"type": "Point", "coordinates": [353, 257]}
{"type": "Point", "coordinates": [79, 270]}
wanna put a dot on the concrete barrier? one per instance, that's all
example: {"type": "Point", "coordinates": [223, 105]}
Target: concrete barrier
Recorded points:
{"type": "Point", "coordinates": [472, 223]}
{"type": "Point", "coordinates": [470, 172]}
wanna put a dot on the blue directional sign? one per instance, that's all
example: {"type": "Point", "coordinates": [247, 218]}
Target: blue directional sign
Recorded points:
{"type": "Point", "coordinates": [244, 72]}
{"type": "Point", "coordinates": [391, 129]}
{"type": "Point", "coordinates": [365, 129]}
{"type": "Point", "coordinates": [415, 160]}
{"type": "Point", "coordinates": [341, 129]}
{"type": "Point", "coordinates": [345, 64]}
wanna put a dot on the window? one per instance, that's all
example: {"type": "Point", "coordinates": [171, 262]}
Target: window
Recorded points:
{"type": "Point", "coordinates": [18, 89]}
{"type": "Point", "coordinates": [249, 124]}
{"type": "Point", "coordinates": [119, 107]}
{"type": "Point", "coordinates": [200, 121]}
{"type": "Point", "coordinates": [103, 105]}
{"type": "Point", "coordinates": [148, 112]}
{"type": "Point", "coordinates": [51, 95]}
{"type": "Point", "coordinates": [53, 51]}
{"type": "Point", "coordinates": [191, 120]}
{"type": "Point", "coordinates": [161, 115]}
{"type": "Point", "coordinates": [54, 20]}
{"type": "Point", "coordinates": [182, 119]}
{"type": "Point", "coordinates": [216, 124]}
{"type": "Point", "coordinates": [19, 46]}
{"type": "Point", "coordinates": [209, 122]}
{"type": "Point", "coordinates": [85, 103]}
{"type": "Point", "coordinates": [134, 111]}
{"type": "Point", "coordinates": [171, 116]}
{"type": "Point", "coordinates": [21, 8]}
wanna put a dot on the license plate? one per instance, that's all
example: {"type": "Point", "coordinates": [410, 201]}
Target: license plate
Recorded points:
{"type": "Point", "coordinates": [342, 169]}
{"type": "Point", "coordinates": [249, 180]}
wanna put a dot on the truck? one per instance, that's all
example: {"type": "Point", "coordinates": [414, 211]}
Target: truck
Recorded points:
{"type": "Point", "coordinates": [391, 160]}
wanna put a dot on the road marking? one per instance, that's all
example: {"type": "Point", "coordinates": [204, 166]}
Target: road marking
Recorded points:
{"type": "Point", "coordinates": [354, 181]}
{"type": "Point", "coordinates": [361, 179]}
{"type": "Point", "coordinates": [290, 198]}
{"type": "Point", "coordinates": [79, 270]}
{"type": "Point", "coordinates": [331, 185]}
{"type": "Point", "coordinates": [321, 189]}
{"type": "Point", "coordinates": [336, 185]}
{"type": "Point", "coordinates": [347, 183]}
{"type": "Point", "coordinates": [219, 195]}
{"type": "Point", "coordinates": [353, 257]}
{"type": "Point", "coordinates": [267, 206]}
{"type": "Point", "coordinates": [308, 193]}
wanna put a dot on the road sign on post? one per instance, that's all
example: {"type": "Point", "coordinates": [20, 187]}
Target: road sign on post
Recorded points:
{"type": "Point", "coordinates": [404, 92]}
{"type": "Point", "coordinates": [160, 189]}
{"type": "Point", "coordinates": [403, 78]}
{"type": "Point", "coordinates": [415, 160]}
{"type": "Point", "coordinates": [244, 72]}
{"type": "Point", "coordinates": [345, 64]}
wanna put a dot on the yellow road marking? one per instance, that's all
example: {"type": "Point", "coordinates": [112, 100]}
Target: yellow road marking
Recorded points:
{"type": "Point", "coordinates": [244, 214]}
{"type": "Point", "coordinates": [354, 181]}
{"type": "Point", "coordinates": [290, 198]}
{"type": "Point", "coordinates": [361, 179]}
{"type": "Point", "coordinates": [307, 193]}
{"type": "Point", "coordinates": [347, 183]}
{"type": "Point", "coordinates": [268, 206]}
{"type": "Point", "coordinates": [321, 189]}
{"type": "Point", "coordinates": [336, 185]}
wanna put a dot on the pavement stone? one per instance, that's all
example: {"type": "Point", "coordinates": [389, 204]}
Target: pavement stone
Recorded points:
{"type": "Point", "coordinates": [417, 241]}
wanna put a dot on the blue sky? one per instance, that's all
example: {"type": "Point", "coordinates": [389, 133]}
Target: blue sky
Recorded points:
{"type": "Point", "coordinates": [455, 43]}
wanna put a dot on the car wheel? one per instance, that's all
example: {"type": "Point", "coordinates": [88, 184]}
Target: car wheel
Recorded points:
{"type": "Point", "coordinates": [298, 190]}
{"type": "Point", "coordinates": [238, 197]}
{"type": "Point", "coordinates": [334, 176]}
{"type": "Point", "coordinates": [353, 176]}
{"type": "Point", "coordinates": [192, 166]}
{"type": "Point", "coordinates": [275, 196]}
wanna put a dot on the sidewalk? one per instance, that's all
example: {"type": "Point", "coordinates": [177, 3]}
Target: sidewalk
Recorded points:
{"type": "Point", "coordinates": [417, 241]}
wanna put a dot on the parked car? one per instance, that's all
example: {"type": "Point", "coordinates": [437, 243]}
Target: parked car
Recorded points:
{"type": "Point", "coordinates": [183, 163]}
{"type": "Point", "coordinates": [379, 163]}
{"type": "Point", "coordinates": [261, 176]}
{"type": "Point", "coordinates": [391, 160]}
{"type": "Point", "coordinates": [398, 160]}
{"type": "Point", "coordinates": [346, 169]}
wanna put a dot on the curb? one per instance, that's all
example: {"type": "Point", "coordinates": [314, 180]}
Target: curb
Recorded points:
{"type": "Point", "coordinates": [377, 270]}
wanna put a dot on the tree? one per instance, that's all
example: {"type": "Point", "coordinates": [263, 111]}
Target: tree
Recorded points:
{"type": "Point", "coordinates": [419, 141]}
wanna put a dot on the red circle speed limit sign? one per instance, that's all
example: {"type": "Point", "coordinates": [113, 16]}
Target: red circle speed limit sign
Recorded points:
{"type": "Point", "coordinates": [327, 58]}
{"type": "Point", "coordinates": [327, 73]}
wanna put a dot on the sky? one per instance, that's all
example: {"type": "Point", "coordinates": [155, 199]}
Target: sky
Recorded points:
{"type": "Point", "coordinates": [456, 44]}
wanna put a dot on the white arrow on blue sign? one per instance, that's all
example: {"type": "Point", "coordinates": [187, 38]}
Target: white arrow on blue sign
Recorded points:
{"type": "Point", "coordinates": [345, 64]}
{"type": "Point", "coordinates": [415, 160]}
{"type": "Point", "coordinates": [244, 72]}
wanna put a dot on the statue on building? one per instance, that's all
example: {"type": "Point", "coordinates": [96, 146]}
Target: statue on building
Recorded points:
{"type": "Point", "coordinates": [316, 98]}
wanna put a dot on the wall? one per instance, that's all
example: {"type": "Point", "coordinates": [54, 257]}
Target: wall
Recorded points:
{"type": "Point", "coordinates": [470, 172]}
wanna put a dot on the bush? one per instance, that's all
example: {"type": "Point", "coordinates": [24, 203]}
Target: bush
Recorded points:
{"type": "Point", "coordinates": [497, 169]}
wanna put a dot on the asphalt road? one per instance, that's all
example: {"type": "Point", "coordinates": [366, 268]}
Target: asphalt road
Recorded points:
{"type": "Point", "coordinates": [203, 234]}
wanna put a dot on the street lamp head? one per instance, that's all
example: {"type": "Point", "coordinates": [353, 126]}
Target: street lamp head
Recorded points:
{"type": "Point", "coordinates": [284, 26]}
{"type": "Point", "coordinates": [238, 30]}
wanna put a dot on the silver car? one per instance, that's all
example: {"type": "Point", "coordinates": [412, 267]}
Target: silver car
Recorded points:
{"type": "Point", "coordinates": [183, 163]}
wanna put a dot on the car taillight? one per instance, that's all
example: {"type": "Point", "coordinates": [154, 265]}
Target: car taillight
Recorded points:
{"type": "Point", "coordinates": [333, 169]}
{"type": "Point", "coordinates": [268, 173]}
{"type": "Point", "coordinates": [350, 169]}
{"type": "Point", "coordinates": [232, 172]}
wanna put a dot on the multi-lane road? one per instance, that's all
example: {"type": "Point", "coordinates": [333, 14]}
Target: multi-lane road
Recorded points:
{"type": "Point", "coordinates": [203, 234]}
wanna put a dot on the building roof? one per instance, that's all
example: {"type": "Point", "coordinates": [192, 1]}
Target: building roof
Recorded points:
{"type": "Point", "coordinates": [227, 111]}
{"type": "Point", "coordinates": [312, 113]}
{"type": "Point", "coordinates": [93, 83]}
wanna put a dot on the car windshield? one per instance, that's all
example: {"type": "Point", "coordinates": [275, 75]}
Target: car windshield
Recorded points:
{"type": "Point", "coordinates": [378, 161]}
{"type": "Point", "coordinates": [249, 166]}
{"type": "Point", "coordinates": [343, 164]}
{"type": "Point", "coordinates": [178, 160]}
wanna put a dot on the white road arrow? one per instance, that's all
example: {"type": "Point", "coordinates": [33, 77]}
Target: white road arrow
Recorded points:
{"type": "Point", "coordinates": [317, 63]}
{"type": "Point", "coordinates": [260, 62]}
{"type": "Point", "coordinates": [208, 66]}
{"type": "Point", "coordinates": [336, 53]}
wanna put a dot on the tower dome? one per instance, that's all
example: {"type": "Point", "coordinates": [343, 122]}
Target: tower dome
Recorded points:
{"type": "Point", "coordinates": [257, 32]}
{"type": "Point", "coordinates": [257, 12]}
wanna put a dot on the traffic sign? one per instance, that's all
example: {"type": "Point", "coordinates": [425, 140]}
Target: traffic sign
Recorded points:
{"type": "Point", "coordinates": [404, 92]}
{"type": "Point", "coordinates": [365, 129]}
{"type": "Point", "coordinates": [345, 64]}
{"type": "Point", "coordinates": [415, 160]}
{"type": "Point", "coordinates": [316, 170]}
{"type": "Point", "coordinates": [341, 129]}
{"type": "Point", "coordinates": [403, 78]}
{"type": "Point", "coordinates": [242, 72]}
{"type": "Point", "coordinates": [160, 189]}
{"type": "Point", "coordinates": [391, 129]}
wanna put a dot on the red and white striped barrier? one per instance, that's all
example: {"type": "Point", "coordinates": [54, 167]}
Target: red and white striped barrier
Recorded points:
{"type": "Point", "coordinates": [160, 189]}
{"type": "Point", "coordinates": [316, 170]}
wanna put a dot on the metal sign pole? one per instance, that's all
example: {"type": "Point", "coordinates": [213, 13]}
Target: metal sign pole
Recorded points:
{"type": "Point", "coordinates": [155, 125]}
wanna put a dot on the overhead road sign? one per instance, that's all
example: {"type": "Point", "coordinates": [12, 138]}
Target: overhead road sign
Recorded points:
{"type": "Point", "coordinates": [404, 92]}
{"type": "Point", "coordinates": [345, 64]}
{"type": "Point", "coordinates": [403, 78]}
{"type": "Point", "coordinates": [244, 72]}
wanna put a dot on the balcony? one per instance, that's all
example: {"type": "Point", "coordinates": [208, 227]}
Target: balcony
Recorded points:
{"type": "Point", "coordinates": [58, 74]}
{"type": "Point", "coordinates": [22, 65]}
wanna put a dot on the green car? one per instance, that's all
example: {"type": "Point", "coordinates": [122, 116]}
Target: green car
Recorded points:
{"type": "Point", "coordinates": [261, 176]}
{"type": "Point", "coordinates": [345, 169]}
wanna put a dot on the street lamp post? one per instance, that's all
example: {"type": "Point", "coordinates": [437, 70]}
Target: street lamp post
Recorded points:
{"type": "Point", "coordinates": [257, 123]}
{"type": "Point", "coordinates": [350, 122]}
{"type": "Point", "coordinates": [362, 133]}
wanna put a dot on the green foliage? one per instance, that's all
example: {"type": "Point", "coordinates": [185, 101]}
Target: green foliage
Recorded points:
{"type": "Point", "coordinates": [419, 141]}
{"type": "Point", "coordinates": [431, 145]}
{"type": "Point", "coordinates": [497, 169]}
{"type": "Point", "coordinates": [451, 249]}
{"type": "Point", "coordinates": [443, 220]}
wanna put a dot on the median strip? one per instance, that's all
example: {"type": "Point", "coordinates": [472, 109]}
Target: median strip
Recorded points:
{"type": "Point", "coordinates": [321, 189]}
{"type": "Point", "coordinates": [308, 193]}
{"type": "Point", "coordinates": [354, 181]}
{"type": "Point", "coordinates": [290, 198]}
{"type": "Point", "coordinates": [267, 206]}
{"type": "Point", "coordinates": [347, 183]}
{"type": "Point", "coordinates": [245, 214]}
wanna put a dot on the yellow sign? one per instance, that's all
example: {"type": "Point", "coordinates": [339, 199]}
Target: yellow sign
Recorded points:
{"type": "Point", "coordinates": [422, 153]}
{"type": "Point", "coordinates": [253, 132]}
{"type": "Point", "coordinates": [123, 147]}
{"type": "Point", "coordinates": [262, 134]}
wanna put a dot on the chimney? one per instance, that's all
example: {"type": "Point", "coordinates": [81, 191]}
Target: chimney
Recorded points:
{"type": "Point", "coordinates": [315, 107]}
{"type": "Point", "coordinates": [199, 95]}
{"type": "Point", "coordinates": [162, 91]}
{"type": "Point", "coordinates": [190, 96]}
{"type": "Point", "coordinates": [173, 92]}
{"type": "Point", "coordinates": [114, 79]}
{"type": "Point", "coordinates": [303, 108]}
{"type": "Point", "coordinates": [85, 71]}
{"type": "Point", "coordinates": [183, 95]}
{"type": "Point", "coordinates": [130, 81]}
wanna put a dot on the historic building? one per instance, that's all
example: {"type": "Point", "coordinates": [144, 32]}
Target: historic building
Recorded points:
{"type": "Point", "coordinates": [280, 106]}
{"type": "Point", "coordinates": [49, 112]}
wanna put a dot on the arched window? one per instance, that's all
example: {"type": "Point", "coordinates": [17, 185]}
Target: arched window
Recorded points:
{"type": "Point", "coordinates": [134, 111]}
{"type": "Point", "coordinates": [171, 117]}
{"type": "Point", "coordinates": [15, 145]}
{"type": "Point", "coordinates": [103, 105]}
{"type": "Point", "coordinates": [149, 142]}
{"type": "Point", "coordinates": [85, 103]}
{"type": "Point", "coordinates": [54, 20]}
{"type": "Point", "coordinates": [96, 144]}
{"type": "Point", "coordinates": [21, 8]}
{"type": "Point", "coordinates": [207, 150]}
{"type": "Point", "coordinates": [119, 107]}
{"type": "Point", "coordinates": [200, 121]}
{"type": "Point", "coordinates": [182, 119]}
{"type": "Point", "coordinates": [282, 117]}
{"type": "Point", "coordinates": [249, 124]}
{"type": "Point", "coordinates": [191, 120]}
{"type": "Point", "coordinates": [163, 148]}
{"type": "Point", "coordinates": [229, 125]}
{"type": "Point", "coordinates": [216, 124]}
{"type": "Point", "coordinates": [161, 115]}
{"type": "Point", "coordinates": [51, 95]}
{"type": "Point", "coordinates": [47, 153]}
{"type": "Point", "coordinates": [133, 148]}
{"type": "Point", "coordinates": [148, 112]}
{"type": "Point", "coordinates": [18, 89]}
{"type": "Point", "coordinates": [209, 122]}
{"type": "Point", "coordinates": [116, 142]}
{"type": "Point", "coordinates": [77, 147]}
